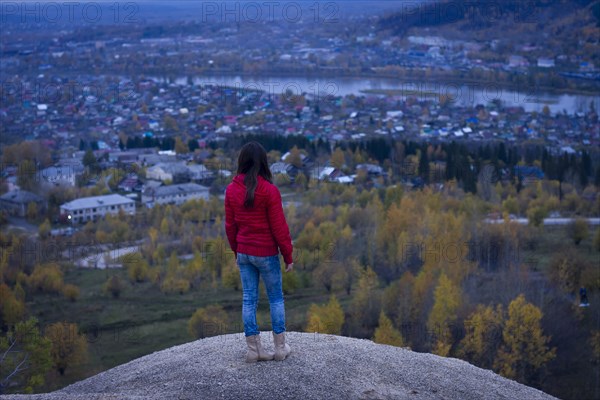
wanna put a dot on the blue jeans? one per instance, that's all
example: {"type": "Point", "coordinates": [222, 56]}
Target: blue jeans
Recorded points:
{"type": "Point", "coordinates": [251, 268]}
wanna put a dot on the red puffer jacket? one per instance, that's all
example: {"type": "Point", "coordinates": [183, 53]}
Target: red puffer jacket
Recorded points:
{"type": "Point", "coordinates": [261, 230]}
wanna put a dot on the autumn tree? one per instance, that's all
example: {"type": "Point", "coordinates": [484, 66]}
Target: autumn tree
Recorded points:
{"type": "Point", "coordinates": [26, 174]}
{"type": "Point", "coordinates": [397, 300]}
{"type": "Point", "coordinates": [89, 161]}
{"type": "Point", "coordinates": [525, 349]}
{"type": "Point", "coordinates": [536, 215]}
{"type": "Point", "coordinates": [47, 278]}
{"type": "Point", "coordinates": [174, 284]}
{"type": "Point", "coordinates": [386, 333]}
{"type": "Point", "coordinates": [136, 265]}
{"type": "Point", "coordinates": [11, 307]}
{"type": "Point", "coordinates": [510, 205]}
{"type": "Point", "coordinates": [180, 146]}
{"type": "Point", "coordinates": [24, 357]}
{"type": "Point", "coordinates": [483, 336]}
{"type": "Point", "coordinates": [32, 150]}
{"type": "Point", "coordinates": [300, 181]}
{"type": "Point", "coordinates": [164, 226]}
{"type": "Point", "coordinates": [327, 318]}
{"type": "Point", "coordinates": [231, 277]}
{"type": "Point", "coordinates": [170, 123]}
{"type": "Point", "coordinates": [565, 270]}
{"type": "Point", "coordinates": [114, 286]}
{"type": "Point", "coordinates": [273, 156]}
{"type": "Point", "coordinates": [327, 273]}
{"type": "Point", "coordinates": [71, 292]}
{"type": "Point", "coordinates": [337, 158]}
{"type": "Point", "coordinates": [443, 316]}
{"type": "Point", "coordinates": [69, 346]}
{"type": "Point", "coordinates": [196, 270]}
{"type": "Point", "coordinates": [294, 157]}
{"type": "Point", "coordinates": [174, 280]}
{"type": "Point", "coordinates": [289, 281]}
{"type": "Point", "coordinates": [578, 230]}
{"type": "Point", "coordinates": [44, 229]}
{"type": "Point", "coordinates": [207, 321]}
{"type": "Point", "coordinates": [217, 252]}
{"type": "Point", "coordinates": [366, 304]}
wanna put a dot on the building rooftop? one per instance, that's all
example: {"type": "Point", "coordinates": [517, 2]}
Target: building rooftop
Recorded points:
{"type": "Point", "coordinates": [20, 196]}
{"type": "Point", "coordinates": [97, 201]}
{"type": "Point", "coordinates": [179, 188]}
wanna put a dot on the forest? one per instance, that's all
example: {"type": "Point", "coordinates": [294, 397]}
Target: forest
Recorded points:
{"type": "Point", "coordinates": [414, 266]}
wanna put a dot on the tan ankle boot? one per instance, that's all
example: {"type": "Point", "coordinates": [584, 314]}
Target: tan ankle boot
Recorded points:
{"type": "Point", "coordinates": [256, 351]}
{"type": "Point", "coordinates": [282, 349]}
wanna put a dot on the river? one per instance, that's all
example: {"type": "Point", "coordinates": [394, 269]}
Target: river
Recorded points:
{"type": "Point", "coordinates": [463, 94]}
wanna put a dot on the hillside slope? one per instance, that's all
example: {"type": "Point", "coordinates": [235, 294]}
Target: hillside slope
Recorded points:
{"type": "Point", "coordinates": [320, 366]}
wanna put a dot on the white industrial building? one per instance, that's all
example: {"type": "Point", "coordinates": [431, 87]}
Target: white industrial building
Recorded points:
{"type": "Point", "coordinates": [90, 208]}
{"type": "Point", "coordinates": [174, 194]}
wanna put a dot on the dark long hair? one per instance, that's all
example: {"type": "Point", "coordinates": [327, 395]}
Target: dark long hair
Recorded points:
{"type": "Point", "coordinates": [252, 161]}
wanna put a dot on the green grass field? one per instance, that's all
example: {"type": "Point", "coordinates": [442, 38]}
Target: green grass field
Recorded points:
{"type": "Point", "coordinates": [144, 320]}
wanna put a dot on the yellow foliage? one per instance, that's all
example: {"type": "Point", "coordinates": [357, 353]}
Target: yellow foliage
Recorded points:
{"type": "Point", "coordinates": [231, 277]}
{"type": "Point", "coordinates": [46, 278]}
{"type": "Point", "coordinates": [386, 333]}
{"type": "Point", "coordinates": [69, 347]}
{"type": "Point", "coordinates": [337, 158]}
{"type": "Point", "coordinates": [175, 285]}
{"type": "Point", "coordinates": [114, 286]}
{"type": "Point", "coordinates": [483, 336]}
{"type": "Point", "coordinates": [448, 300]}
{"type": "Point", "coordinates": [11, 308]}
{"type": "Point", "coordinates": [137, 267]}
{"type": "Point", "coordinates": [70, 292]}
{"type": "Point", "coordinates": [328, 318]}
{"type": "Point", "coordinates": [525, 348]}
{"type": "Point", "coordinates": [207, 321]}
{"type": "Point", "coordinates": [289, 281]}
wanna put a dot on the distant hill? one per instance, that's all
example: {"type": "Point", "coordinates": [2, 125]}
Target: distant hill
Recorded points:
{"type": "Point", "coordinates": [320, 366]}
{"type": "Point", "coordinates": [482, 14]}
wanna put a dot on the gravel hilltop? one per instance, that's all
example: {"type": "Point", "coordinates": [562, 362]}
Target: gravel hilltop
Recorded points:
{"type": "Point", "coordinates": [319, 367]}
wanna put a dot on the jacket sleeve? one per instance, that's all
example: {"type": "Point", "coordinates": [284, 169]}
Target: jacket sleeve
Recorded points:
{"type": "Point", "coordinates": [231, 227]}
{"type": "Point", "coordinates": [279, 226]}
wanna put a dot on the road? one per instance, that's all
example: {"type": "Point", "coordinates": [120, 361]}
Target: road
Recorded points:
{"type": "Point", "coordinates": [547, 221]}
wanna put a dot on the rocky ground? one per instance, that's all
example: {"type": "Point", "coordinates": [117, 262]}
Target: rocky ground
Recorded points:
{"type": "Point", "coordinates": [320, 367]}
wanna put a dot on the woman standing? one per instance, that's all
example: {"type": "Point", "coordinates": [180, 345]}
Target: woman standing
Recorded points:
{"type": "Point", "coordinates": [257, 230]}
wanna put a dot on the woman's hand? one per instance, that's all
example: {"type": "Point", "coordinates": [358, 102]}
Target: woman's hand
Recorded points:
{"type": "Point", "coordinates": [289, 267]}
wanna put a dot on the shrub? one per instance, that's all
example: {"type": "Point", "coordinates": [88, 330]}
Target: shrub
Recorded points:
{"type": "Point", "coordinates": [328, 318]}
{"type": "Point", "coordinates": [137, 267]}
{"type": "Point", "coordinates": [175, 285]}
{"type": "Point", "coordinates": [71, 292]}
{"type": "Point", "coordinates": [207, 321]}
{"type": "Point", "coordinates": [565, 270]}
{"type": "Point", "coordinates": [11, 308]}
{"type": "Point", "coordinates": [231, 278]}
{"type": "Point", "coordinates": [46, 278]}
{"type": "Point", "coordinates": [114, 286]}
{"type": "Point", "coordinates": [289, 281]}
{"type": "Point", "coordinates": [578, 230]}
